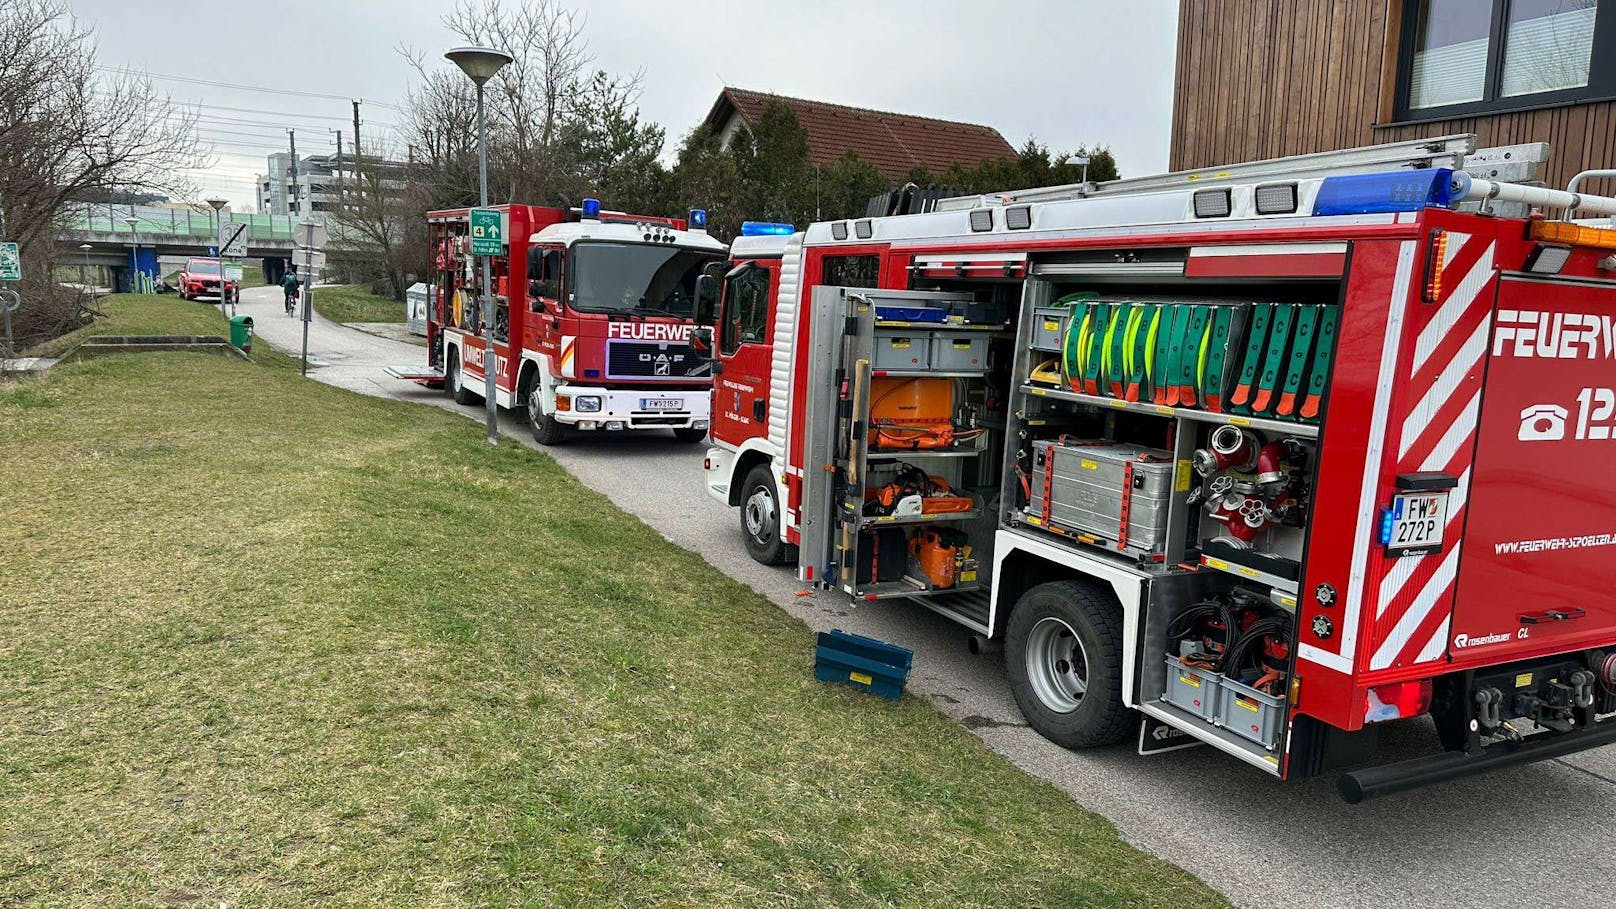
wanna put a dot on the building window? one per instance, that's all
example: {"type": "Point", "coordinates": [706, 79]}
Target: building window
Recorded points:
{"type": "Point", "coordinates": [1460, 58]}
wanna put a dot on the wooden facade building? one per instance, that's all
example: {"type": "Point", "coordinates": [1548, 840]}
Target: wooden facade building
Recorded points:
{"type": "Point", "coordinates": [1269, 78]}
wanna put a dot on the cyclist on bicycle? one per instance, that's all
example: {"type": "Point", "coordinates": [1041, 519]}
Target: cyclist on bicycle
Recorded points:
{"type": "Point", "coordinates": [289, 285]}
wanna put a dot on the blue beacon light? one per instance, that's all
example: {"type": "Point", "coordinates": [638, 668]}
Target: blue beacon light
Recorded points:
{"type": "Point", "coordinates": [766, 229]}
{"type": "Point", "coordinates": [591, 209]}
{"type": "Point", "coordinates": [698, 219]}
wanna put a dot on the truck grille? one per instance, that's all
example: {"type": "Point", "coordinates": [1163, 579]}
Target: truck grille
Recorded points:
{"type": "Point", "coordinates": [654, 360]}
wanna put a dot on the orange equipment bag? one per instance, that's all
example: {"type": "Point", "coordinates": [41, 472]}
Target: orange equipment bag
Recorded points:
{"type": "Point", "coordinates": [911, 412]}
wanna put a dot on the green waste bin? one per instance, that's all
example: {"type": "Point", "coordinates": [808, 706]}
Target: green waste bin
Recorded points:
{"type": "Point", "coordinates": [241, 332]}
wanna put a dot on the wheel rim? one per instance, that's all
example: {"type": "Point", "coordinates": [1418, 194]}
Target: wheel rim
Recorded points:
{"type": "Point", "coordinates": [759, 515]}
{"type": "Point", "coordinates": [1057, 665]}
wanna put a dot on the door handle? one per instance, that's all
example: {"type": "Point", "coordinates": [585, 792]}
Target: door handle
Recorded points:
{"type": "Point", "coordinates": [759, 408]}
{"type": "Point", "coordinates": [1552, 615]}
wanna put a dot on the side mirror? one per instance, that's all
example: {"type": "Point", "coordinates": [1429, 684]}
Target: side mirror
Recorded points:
{"type": "Point", "coordinates": [706, 298]}
{"type": "Point", "coordinates": [701, 339]}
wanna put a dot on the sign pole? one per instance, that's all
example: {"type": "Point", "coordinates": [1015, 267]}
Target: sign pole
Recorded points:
{"type": "Point", "coordinates": [490, 358]}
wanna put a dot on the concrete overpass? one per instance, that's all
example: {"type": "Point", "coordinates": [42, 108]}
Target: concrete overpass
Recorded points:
{"type": "Point", "coordinates": [161, 239]}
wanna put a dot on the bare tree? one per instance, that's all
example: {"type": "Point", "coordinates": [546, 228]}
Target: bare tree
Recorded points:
{"type": "Point", "coordinates": [67, 130]}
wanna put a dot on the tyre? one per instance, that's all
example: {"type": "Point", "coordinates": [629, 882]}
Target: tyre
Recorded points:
{"type": "Point", "coordinates": [546, 430]}
{"type": "Point", "coordinates": [690, 435]}
{"type": "Point", "coordinates": [1063, 653]}
{"type": "Point", "coordinates": [455, 382]}
{"type": "Point", "coordinates": [760, 519]}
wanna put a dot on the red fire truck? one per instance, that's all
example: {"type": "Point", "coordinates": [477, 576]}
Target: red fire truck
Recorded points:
{"type": "Point", "coordinates": [599, 336]}
{"type": "Point", "coordinates": [1261, 457]}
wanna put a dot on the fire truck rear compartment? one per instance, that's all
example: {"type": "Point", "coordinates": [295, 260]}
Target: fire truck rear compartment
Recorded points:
{"type": "Point", "coordinates": [1113, 475]}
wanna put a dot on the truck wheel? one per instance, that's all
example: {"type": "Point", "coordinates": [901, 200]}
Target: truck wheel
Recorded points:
{"type": "Point", "coordinates": [760, 519]}
{"type": "Point", "coordinates": [690, 435]}
{"type": "Point", "coordinates": [546, 430]}
{"type": "Point", "coordinates": [455, 382]}
{"type": "Point", "coordinates": [1063, 653]}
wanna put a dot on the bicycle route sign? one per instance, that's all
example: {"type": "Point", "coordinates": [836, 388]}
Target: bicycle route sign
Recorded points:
{"type": "Point", "coordinates": [10, 262]}
{"type": "Point", "coordinates": [487, 232]}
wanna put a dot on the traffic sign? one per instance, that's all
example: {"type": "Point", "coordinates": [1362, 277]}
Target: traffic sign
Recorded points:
{"type": "Point", "coordinates": [310, 235]}
{"type": "Point", "coordinates": [232, 238]}
{"type": "Point", "coordinates": [10, 262]}
{"type": "Point", "coordinates": [232, 272]}
{"type": "Point", "coordinates": [311, 260]}
{"type": "Point", "coordinates": [487, 232]}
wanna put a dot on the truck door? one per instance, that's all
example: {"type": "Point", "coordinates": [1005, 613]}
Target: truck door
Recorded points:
{"type": "Point", "coordinates": [744, 344]}
{"type": "Point", "coordinates": [1539, 561]}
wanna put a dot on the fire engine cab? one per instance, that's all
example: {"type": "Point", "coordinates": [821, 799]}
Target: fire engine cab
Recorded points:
{"type": "Point", "coordinates": [1261, 457]}
{"type": "Point", "coordinates": [598, 335]}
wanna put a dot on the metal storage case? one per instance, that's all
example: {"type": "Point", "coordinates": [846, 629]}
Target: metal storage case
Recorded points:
{"type": "Point", "coordinates": [959, 352]}
{"type": "Point", "coordinates": [1089, 482]}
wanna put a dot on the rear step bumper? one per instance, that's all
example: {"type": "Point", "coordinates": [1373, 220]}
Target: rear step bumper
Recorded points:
{"type": "Point", "coordinates": [1358, 785]}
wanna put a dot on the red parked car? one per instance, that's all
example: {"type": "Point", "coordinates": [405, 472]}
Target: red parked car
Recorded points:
{"type": "Point", "coordinates": [201, 276]}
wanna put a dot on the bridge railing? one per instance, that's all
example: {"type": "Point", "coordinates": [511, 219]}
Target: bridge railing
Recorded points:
{"type": "Point", "coordinates": [152, 220]}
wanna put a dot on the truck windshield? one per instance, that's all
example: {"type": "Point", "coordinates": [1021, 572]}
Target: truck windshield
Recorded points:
{"type": "Point", "coordinates": [632, 277]}
{"type": "Point", "coordinates": [203, 267]}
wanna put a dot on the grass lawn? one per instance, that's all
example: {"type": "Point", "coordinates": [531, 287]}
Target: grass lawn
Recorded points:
{"type": "Point", "coordinates": [252, 652]}
{"type": "Point", "coordinates": [355, 303]}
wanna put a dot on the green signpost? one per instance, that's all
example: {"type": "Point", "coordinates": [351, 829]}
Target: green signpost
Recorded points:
{"type": "Point", "coordinates": [10, 262]}
{"type": "Point", "coordinates": [487, 232]}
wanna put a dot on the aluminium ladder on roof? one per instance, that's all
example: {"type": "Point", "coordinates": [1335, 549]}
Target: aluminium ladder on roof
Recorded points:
{"type": "Point", "coordinates": [1444, 151]}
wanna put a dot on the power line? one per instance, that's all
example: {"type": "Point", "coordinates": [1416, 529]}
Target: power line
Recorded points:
{"type": "Point", "coordinates": [249, 88]}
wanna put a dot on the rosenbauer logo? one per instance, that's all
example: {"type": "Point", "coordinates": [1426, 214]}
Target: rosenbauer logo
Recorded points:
{"type": "Point", "coordinates": [650, 331]}
{"type": "Point", "coordinates": [1461, 641]}
{"type": "Point", "coordinates": [1529, 334]}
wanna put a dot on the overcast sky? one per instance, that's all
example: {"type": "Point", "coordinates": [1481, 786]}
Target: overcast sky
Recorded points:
{"type": "Point", "coordinates": [1067, 72]}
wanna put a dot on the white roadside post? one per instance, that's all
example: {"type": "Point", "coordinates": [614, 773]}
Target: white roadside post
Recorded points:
{"type": "Point", "coordinates": [481, 64]}
{"type": "Point", "coordinates": [310, 238]}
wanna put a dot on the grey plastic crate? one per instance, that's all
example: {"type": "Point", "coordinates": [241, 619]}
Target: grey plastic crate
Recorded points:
{"type": "Point", "coordinates": [1250, 713]}
{"type": "Point", "coordinates": [1194, 691]}
{"type": "Point", "coordinates": [1049, 327]}
{"type": "Point", "coordinates": [903, 351]}
{"type": "Point", "coordinates": [951, 352]}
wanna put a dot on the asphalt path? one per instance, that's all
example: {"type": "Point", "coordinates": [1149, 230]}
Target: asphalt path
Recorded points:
{"type": "Point", "coordinates": [1536, 836]}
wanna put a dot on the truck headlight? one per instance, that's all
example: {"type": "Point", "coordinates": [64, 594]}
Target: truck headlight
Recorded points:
{"type": "Point", "coordinates": [698, 424]}
{"type": "Point", "coordinates": [586, 404]}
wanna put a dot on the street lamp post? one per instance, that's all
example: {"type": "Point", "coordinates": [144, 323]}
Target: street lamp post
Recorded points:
{"type": "Point", "coordinates": [218, 205]}
{"type": "Point", "coordinates": [85, 248]}
{"type": "Point", "coordinates": [481, 64]}
{"type": "Point", "coordinates": [134, 254]}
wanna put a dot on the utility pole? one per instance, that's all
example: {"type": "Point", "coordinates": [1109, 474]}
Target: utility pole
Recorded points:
{"type": "Point", "coordinates": [292, 209]}
{"type": "Point", "coordinates": [308, 281]}
{"type": "Point", "coordinates": [357, 156]}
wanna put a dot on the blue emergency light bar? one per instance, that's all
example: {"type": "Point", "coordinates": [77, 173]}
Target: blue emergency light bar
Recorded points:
{"type": "Point", "coordinates": [591, 209]}
{"type": "Point", "coordinates": [698, 219]}
{"type": "Point", "coordinates": [1393, 191]}
{"type": "Point", "coordinates": [766, 229]}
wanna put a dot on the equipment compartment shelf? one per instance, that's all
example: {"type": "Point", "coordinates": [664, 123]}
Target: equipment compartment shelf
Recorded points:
{"type": "Point", "coordinates": [892, 520]}
{"type": "Point", "coordinates": [891, 590]}
{"type": "Point", "coordinates": [918, 453]}
{"type": "Point", "coordinates": [926, 373]}
{"type": "Point", "coordinates": [939, 326]}
{"type": "Point", "coordinates": [1300, 430]}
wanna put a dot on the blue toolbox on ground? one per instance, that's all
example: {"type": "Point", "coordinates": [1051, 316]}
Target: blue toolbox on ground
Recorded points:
{"type": "Point", "coordinates": [875, 666]}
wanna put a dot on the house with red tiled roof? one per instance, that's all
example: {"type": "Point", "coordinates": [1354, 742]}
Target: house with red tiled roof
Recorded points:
{"type": "Point", "coordinates": [893, 144]}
